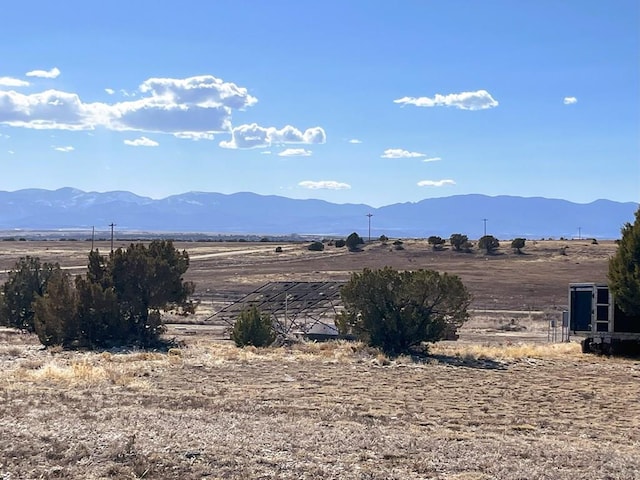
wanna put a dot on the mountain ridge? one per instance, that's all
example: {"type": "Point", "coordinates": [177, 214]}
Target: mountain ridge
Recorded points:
{"type": "Point", "coordinates": [507, 216]}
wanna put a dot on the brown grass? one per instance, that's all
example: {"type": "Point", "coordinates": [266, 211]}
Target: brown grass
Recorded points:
{"type": "Point", "coordinates": [498, 404]}
{"type": "Point", "coordinates": [320, 410]}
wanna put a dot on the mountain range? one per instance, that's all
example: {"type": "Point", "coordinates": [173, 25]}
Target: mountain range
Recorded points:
{"type": "Point", "coordinates": [248, 213]}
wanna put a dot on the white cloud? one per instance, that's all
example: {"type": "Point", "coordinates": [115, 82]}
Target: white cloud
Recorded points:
{"type": "Point", "coordinates": [435, 183]}
{"type": "Point", "coordinates": [53, 73]}
{"type": "Point", "coordinates": [10, 152]}
{"type": "Point", "coordinates": [432, 159]}
{"type": "Point", "coordinates": [141, 142]}
{"type": "Point", "coordinates": [203, 91]}
{"type": "Point", "coordinates": [51, 109]}
{"type": "Point", "coordinates": [400, 153]}
{"type": "Point", "coordinates": [194, 135]}
{"type": "Point", "coordinates": [266, 152]}
{"type": "Point", "coordinates": [570, 100]}
{"type": "Point", "coordinates": [12, 82]}
{"type": "Point", "coordinates": [355, 140]}
{"type": "Point", "coordinates": [478, 100]}
{"type": "Point", "coordinates": [255, 136]}
{"type": "Point", "coordinates": [195, 107]}
{"type": "Point", "coordinates": [192, 108]}
{"type": "Point", "coordinates": [324, 185]}
{"type": "Point", "coordinates": [110, 91]}
{"type": "Point", "coordinates": [295, 152]}
{"type": "Point", "coordinates": [64, 149]}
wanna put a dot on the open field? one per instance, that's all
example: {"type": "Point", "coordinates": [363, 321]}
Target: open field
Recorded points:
{"type": "Point", "coordinates": [497, 404]}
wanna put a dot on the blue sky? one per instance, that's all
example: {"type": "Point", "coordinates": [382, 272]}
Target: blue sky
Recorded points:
{"type": "Point", "coordinates": [346, 101]}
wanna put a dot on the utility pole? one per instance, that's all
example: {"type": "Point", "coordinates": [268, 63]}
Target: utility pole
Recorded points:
{"type": "Point", "coordinates": [369, 215]}
{"type": "Point", "coordinates": [112, 225]}
{"type": "Point", "coordinates": [485, 226]}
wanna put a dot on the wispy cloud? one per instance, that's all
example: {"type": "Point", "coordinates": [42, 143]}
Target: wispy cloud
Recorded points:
{"type": "Point", "coordinates": [355, 140]}
{"type": "Point", "coordinates": [295, 152]}
{"type": "Point", "coordinates": [141, 142]}
{"type": "Point", "coordinates": [266, 152]}
{"type": "Point", "coordinates": [110, 91]}
{"type": "Point", "coordinates": [53, 73]}
{"type": "Point", "coordinates": [400, 153]}
{"type": "Point", "coordinates": [324, 185]}
{"type": "Point", "coordinates": [432, 159]}
{"type": "Point", "coordinates": [194, 135]}
{"type": "Point", "coordinates": [64, 149]}
{"type": "Point", "coordinates": [478, 100]}
{"type": "Point", "coordinates": [10, 152]}
{"type": "Point", "coordinates": [435, 183]}
{"type": "Point", "coordinates": [255, 136]}
{"type": "Point", "coordinates": [570, 100]}
{"type": "Point", "coordinates": [12, 82]}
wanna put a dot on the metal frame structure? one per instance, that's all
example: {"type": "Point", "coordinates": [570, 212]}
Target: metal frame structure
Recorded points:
{"type": "Point", "coordinates": [294, 307]}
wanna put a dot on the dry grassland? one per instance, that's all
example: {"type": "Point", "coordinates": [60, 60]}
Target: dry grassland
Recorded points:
{"type": "Point", "coordinates": [497, 404]}
{"type": "Point", "coordinates": [312, 411]}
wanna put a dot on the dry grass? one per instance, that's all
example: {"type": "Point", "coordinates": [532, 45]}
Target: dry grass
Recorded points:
{"type": "Point", "coordinates": [510, 351]}
{"type": "Point", "coordinates": [319, 410]}
{"type": "Point", "coordinates": [495, 405]}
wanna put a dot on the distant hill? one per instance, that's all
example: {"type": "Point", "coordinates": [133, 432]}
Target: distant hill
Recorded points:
{"type": "Point", "coordinates": [249, 213]}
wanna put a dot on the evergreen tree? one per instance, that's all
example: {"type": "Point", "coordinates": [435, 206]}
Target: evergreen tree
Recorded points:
{"type": "Point", "coordinates": [624, 269]}
{"type": "Point", "coordinates": [55, 312]}
{"type": "Point", "coordinates": [489, 243]}
{"type": "Point", "coordinates": [518, 244]}
{"type": "Point", "coordinates": [27, 280]}
{"type": "Point", "coordinates": [118, 302]}
{"type": "Point", "coordinates": [458, 241]}
{"type": "Point", "coordinates": [354, 241]}
{"type": "Point", "coordinates": [396, 311]}
{"type": "Point", "coordinates": [436, 242]}
{"type": "Point", "coordinates": [253, 328]}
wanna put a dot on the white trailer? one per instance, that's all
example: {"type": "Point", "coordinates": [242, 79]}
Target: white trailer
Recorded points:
{"type": "Point", "coordinates": [594, 315]}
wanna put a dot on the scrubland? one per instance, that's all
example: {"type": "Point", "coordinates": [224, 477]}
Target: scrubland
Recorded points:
{"type": "Point", "coordinates": [500, 403]}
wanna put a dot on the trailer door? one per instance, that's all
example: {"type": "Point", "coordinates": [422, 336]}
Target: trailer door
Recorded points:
{"type": "Point", "coordinates": [580, 310]}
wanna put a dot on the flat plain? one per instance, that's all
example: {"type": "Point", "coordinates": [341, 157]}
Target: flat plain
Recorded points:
{"type": "Point", "coordinates": [500, 403]}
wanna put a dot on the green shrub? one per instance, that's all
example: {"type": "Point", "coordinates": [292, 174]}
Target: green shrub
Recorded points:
{"type": "Point", "coordinates": [27, 280]}
{"type": "Point", "coordinates": [518, 244]}
{"type": "Point", "coordinates": [253, 328]}
{"type": "Point", "coordinates": [458, 241]}
{"type": "Point", "coordinates": [436, 242]}
{"type": "Point", "coordinates": [340, 243]}
{"type": "Point", "coordinates": [353, 242]}
{"type": "Point", "coordinates": [396, 311]}
{"type": "Point", "coordinates": [278, 249]}
{"type": "Point", "coordinates": [118, 302]}
{"type": "Point", "coordinates": [316, 247]}
{"type": "Point", "coordinates": [489, 243]}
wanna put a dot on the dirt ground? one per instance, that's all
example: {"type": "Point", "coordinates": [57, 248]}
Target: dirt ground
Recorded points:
{"type": "Point", "coordinates": [497, 404]}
